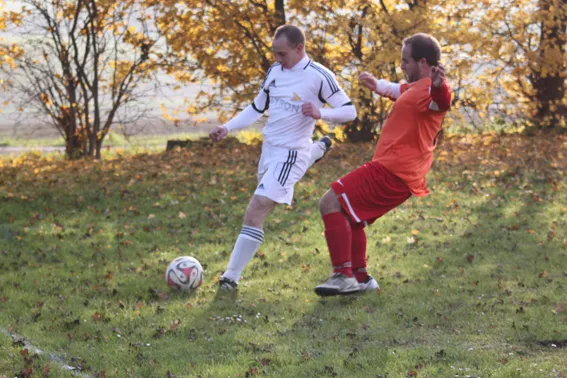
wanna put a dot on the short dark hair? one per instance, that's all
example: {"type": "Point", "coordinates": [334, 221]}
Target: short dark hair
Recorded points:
{"type": "Point", "coordinates": [294, 35]}
{"type": "Point", "coordinates": [424, 46]}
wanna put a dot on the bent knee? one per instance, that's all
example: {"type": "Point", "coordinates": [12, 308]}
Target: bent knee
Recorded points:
{"type": "Point", "coordinates": [260, 204]}
{"type": "Point", "coordinates": [329, 203]}
{"type": "Point", "coordinates": [257, 211]}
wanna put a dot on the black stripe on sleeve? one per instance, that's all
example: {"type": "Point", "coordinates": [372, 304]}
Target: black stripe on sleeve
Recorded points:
{"type": "Point", "coordinates": [268, 73]}
{"type": "Point", "coordinates": [266, 105]}
{"type": "Point", "coordinates": [321, 94]}
{"type": "Point", "coordinates": [330, 80]}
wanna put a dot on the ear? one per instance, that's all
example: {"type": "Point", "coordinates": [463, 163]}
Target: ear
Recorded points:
{"type": "Point", "coordinates": [299, 48]}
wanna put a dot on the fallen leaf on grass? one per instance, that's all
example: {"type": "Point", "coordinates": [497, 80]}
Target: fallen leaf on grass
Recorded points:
{"type": "Point", "coordinates": [26, 373]}
{"type": "Point", "coordinates": [175, 324]}
{"type": "Point", "coordinates": [369, 309]}
{"type": "Point", "coordinates": [45, 370]}
{"type": "Point", "coordinates": [158, 294]}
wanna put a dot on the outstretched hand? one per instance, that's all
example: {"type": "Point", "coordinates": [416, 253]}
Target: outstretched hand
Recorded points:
{"type": "Point", "coordinates": [437, 75]}
{"type": "Point", "coordinates": [368, 80]}
{"type": "Point", "coordinates": [218, 133]}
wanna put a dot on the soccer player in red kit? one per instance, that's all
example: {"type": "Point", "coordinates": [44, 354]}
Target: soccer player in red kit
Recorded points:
{"type": "Point", "coordinates": [403, 157]}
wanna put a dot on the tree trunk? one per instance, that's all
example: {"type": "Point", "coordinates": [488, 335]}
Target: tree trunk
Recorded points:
{"type": "Point", "coordinates": [549, 82]}
{"type": "Point", "coordinates": [73, 146]}
{"type": "Point", "coordinates": [360, 130]}
{"type": "Point", "coordinates": [280, 11]}
{"type": "Point", "coordinates": [73, 143]}
{"type": "Point", "coordinates": [92, 145]}
{"type": "Point", "coordinates": [364, 129]}
{"type": "Point", "coordinates": [98, 148]}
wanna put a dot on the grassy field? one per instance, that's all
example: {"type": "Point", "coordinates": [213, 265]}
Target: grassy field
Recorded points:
{"type": "Point", "coordinates": [115, 140]}
{"type": "Point", "coordinates": [473, 277]}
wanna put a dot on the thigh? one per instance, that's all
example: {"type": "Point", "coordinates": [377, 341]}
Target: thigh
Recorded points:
{"type": "Point", "coordinates": [281, 171]}
{"type": "Point", "coordinates": [369, 192]}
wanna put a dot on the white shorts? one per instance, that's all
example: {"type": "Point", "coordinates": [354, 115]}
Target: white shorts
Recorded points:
{"type": "Point", "coordinates": [278, 171]}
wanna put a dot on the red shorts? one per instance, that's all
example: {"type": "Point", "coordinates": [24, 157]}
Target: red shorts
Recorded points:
{"type": "Point", "coordinates": [369, 192]}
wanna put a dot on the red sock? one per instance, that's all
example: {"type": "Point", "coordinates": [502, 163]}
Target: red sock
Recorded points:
{"type": "Point", "coordinates": [339, 238]}
{"type": "Point", "coordinates": [358, 251]}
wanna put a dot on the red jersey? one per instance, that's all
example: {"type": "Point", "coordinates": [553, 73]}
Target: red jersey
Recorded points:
{"type": "Point", "coordinates": [408, 138]}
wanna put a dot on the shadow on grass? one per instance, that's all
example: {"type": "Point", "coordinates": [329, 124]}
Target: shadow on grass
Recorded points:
{"type": "Point", "coordinates": [482, 272]}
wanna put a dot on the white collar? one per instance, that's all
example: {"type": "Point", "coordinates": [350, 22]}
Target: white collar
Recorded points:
{"type": "Point", "coordinates": [301, 65]}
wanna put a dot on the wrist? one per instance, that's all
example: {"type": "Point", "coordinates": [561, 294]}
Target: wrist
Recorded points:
{"type": "Point", "coordinates": [438, 86]}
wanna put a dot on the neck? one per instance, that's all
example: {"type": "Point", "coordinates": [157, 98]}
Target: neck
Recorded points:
{"type": "Point", "coordinates": [298, 60]}
{"type": "Point", "coordinates": [426, 72]}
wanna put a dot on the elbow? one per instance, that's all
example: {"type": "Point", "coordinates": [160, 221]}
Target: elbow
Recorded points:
{"type": "Point", "coordinates": [351, 116]}
{"type": "Point", "coordinates": [445, 105]}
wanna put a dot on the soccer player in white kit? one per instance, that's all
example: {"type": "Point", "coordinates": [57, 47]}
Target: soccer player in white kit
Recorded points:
{"type": "Point", "coordinates": [294, 91]}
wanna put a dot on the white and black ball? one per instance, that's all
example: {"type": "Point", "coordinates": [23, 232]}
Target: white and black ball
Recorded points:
{"type": "Point", "coordinates": [185, 273]}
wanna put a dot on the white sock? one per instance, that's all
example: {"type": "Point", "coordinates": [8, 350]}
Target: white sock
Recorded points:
{"type": "Point", "coordinates": [317, 152]}
{"type": "Point", "coordinates": [245, 247]}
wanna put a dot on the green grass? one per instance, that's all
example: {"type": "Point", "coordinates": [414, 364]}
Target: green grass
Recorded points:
{"type": "Point", "coordinates": [472, 277]}
{"type": "Point", "coordinates": [113, 140]}
{"type": "Point", "coordinates": [32, 142]}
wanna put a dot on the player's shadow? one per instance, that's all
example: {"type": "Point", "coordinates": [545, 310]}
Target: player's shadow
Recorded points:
{"type": "Point", "coordinates": [225, 296]}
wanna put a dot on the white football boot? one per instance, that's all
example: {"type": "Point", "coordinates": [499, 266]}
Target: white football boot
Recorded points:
{"type": "Point", "coordinates": [369, 285]}
{"type": "Point", "coordinates": [338, 284]}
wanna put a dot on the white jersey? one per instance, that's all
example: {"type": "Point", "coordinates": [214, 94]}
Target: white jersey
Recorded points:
{"type": "Point", "coordinates": [285, 90]}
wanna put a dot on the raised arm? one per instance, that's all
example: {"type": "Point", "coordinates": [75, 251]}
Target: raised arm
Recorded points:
{"type": "Point", "coordinates": [382, 87]}
{"type": "Point", "coordinates": [440, 92]}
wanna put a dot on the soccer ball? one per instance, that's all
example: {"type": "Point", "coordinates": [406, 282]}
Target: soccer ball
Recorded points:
{"type": "Point", "coordinates": [184, 274]}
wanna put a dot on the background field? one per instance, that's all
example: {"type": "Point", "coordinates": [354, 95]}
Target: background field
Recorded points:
{"type": "Point", "coordinates": [473, 277]}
